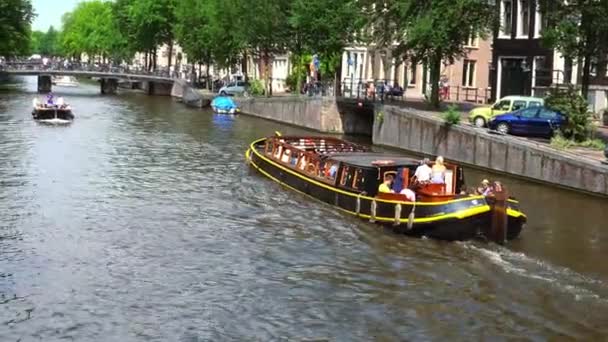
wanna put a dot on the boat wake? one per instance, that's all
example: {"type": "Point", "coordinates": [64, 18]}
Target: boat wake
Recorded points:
{"type": "Point", "coordinates": [55, 121]}
{"type": "Point", "coordinates": [564, 279]}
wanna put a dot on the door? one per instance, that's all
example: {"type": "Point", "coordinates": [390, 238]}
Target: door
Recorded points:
{"type": "Point", "coordinates": [514, 80]}
{"type": "Point", "coordinates": [546, 122]}
{"type": "Point", "coordinates": [525, 121]}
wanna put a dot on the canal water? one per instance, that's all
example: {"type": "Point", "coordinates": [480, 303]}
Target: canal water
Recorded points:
{"type": "Point", "coordinates": [141, 221]}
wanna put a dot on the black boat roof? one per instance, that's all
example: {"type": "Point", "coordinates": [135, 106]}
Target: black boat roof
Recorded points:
{"type": "Point", "coordinates": [366, 159]}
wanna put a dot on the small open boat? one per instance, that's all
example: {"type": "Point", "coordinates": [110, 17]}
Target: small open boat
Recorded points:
{"type": "Point", "coordinates": [224, 105]}
{"type": "Point", "coordinates": [49, 111]}
{"type": "Point", "coordinates": [347, 176]}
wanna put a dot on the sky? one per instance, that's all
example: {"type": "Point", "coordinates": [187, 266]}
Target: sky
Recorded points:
{"type": "Point", "coordinates": [49, 12]}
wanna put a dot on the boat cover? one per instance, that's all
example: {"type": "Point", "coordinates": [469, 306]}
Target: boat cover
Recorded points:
{"type": "Point", "coordinates": [223, 103]}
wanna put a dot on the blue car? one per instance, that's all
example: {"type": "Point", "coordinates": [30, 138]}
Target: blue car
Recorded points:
{"type": "Point", "coordinates": [531, 121]}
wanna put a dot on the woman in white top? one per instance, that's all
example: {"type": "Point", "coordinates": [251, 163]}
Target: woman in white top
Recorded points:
{"type": "Point", "coordinates": [438, 171]}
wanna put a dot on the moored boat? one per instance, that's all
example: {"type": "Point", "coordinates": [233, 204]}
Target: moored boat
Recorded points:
{"type": "Point", "coordinates": [224, 105]}
{"type": "Point", "coordinates": [350, 177]}
{"type": "Point", "coordinates": [65, 81]}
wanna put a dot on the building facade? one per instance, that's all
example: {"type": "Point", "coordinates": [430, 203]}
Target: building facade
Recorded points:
{"type": "Point", "coordinates": [521, 65]}
{"type": "Point", "coordinates": [467, 78]}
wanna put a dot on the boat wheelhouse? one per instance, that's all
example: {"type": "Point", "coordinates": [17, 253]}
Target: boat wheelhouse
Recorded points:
{"type": "Point", "coordinates": [347, 176]}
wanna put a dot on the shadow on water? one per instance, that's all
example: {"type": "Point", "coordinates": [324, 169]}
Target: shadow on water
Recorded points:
{"type": "Point", "coordinates": [142, 222]}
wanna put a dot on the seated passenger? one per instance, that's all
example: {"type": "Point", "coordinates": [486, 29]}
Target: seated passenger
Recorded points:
{"type": "Point", "coordinates": [438, 171]}
{"type": "Point", "coordinates": [386, 185]}
{"type": "Point", "coordinates": [423, 172]}
{"type": "Point", "coordinates": [333, 170]}
{"type": "Point", "coordinates": [484, 189]}
{"type": "Point", "coordinates": [303, 163]}
{"type": "Point", "coordinates": [409, 194]}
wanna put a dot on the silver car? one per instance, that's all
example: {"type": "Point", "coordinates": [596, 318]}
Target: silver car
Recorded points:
{"type": "Point", "coordinates": [234, 88]}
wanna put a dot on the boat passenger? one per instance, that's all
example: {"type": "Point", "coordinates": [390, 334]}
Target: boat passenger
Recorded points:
{"type": "Point", "coordinates": [49, 100]}
{"type": "Point", "coordinates": [333, 170]}
{"type": "Point", "coordinates": [485, 188]}
{"type": "Point", "coordinates": [386, 185]}
{"type": "Point", "coordinates": [409, 194]}
{"type": "Point", "coordinates": [424, 171]}
{"type": "Point", "coordinates": [438, 171]}
{"type": "Point", "coordinates": [60, 102]}
{"type": "Point", "coordinates": [35, 102]}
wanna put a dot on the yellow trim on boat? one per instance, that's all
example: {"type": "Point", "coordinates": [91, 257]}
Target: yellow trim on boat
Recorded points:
{"type": "Point", "coordinates": [459, 214]}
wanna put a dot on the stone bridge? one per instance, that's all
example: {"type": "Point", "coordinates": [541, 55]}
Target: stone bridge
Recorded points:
{"type": "Point", "coordinates": [153, 83]}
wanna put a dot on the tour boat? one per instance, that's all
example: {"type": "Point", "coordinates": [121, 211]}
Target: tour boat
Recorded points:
{"type": "Point", "coordinates": [224, 105]}
{"type": "Point", "coordinates": [347, 176]}
{"type": "Point", "coordinates": [65, 81]}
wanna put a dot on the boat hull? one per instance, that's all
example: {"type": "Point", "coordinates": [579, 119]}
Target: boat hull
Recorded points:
{"type": "Point", "coordinates": [52, 113]}
{"type": "Point", "coordinates": [464, 218]}
{"type": "Point", "coordinates": [231, 111]}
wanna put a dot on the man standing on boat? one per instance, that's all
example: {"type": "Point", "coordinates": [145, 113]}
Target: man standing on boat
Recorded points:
{"type": "Point", "coordinates": [424, 171]}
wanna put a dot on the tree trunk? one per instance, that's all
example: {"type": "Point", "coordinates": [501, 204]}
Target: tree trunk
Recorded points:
{"type": "Point", "coordinates": [586, 76]}
{"type": "Point", "coordinates": [209, 85]}
{"type": "Point", "coordinates": [300, 61]}
{"type": "Point", "coordinates": [266, 59]}
{"type": "Point", "coordinates": [435, 74]}
{"type": "Point", "coordinates": [244, 66]}
{"type": "Point", "coordinates": [338, 80]}
{"type": "Point", "coordinates": [170, 56]}
{"type": "Point", "coordinates": [154, 59]}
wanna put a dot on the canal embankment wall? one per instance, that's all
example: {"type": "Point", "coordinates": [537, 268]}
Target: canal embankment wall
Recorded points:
{"type": "Point", "coordinates": [323, 114]}
{"type": "Point", "coordinates": [424, 133]}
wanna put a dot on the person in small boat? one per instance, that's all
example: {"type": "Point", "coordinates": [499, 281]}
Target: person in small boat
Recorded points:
{"type": "Point", "coordinates": [423, 172]}
{"type": "Point", "coordinates": [386, 184]}
{"type": "Point", "coordinates": [60, 102]}
{"type": "Point", "coordinates": [438, 171]}
{"type": "Point", "coordinates": [36, 102]}
{"type": "Point", "coordinates": [49, 100]}
{"type": "Point", "coordinates": [409, 194]}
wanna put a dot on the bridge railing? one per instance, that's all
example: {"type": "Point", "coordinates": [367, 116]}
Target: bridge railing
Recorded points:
{"type": "Point", "coordinates": [76, 67]}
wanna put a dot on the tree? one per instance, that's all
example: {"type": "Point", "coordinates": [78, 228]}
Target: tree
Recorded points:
{"type": "Point", "coordinates": [266, 32]}
{"type": "Point", "coordinates": [323, 27]}
{"type": "Point", "coordinates": [92, 29]}
{"type": "Point", "coordinates": [36, 38]}
{"type": "Point", "coordinates": [15, 20]}
{"type": "Point", "coordinates": [579, 30]}
{"type": "Point", "coordinates": [49, 44]}
{"type": "Point", "coordinates": [430, 31]}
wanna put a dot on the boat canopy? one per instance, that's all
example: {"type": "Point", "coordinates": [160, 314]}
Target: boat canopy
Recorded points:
{"type": "Point", "coordinates": [223, 102]}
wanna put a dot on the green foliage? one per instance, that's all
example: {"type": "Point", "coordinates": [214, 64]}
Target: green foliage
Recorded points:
{"type": "Point", "coordinates": [562, 143]}
{"type": "Point", "coordinates": [579, 30]}
{"type": "Point", "coordinates": [256, 88]}
{"type": "Point", "coordinates": [92, 29]}
{"type": "Point", "coordinates": [451, 116]}
{"type": "Point", "coordinates": [46, 44]}
{"type": "Point", "coordinates": [570, 103]}
{"type": "Point", "coordinates": [15, 19]}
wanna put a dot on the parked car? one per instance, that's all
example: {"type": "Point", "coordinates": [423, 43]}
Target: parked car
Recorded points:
{"type": "Point", "coordinates": [481, 115]}
{"type": "Point", "coordinates": [233, 88]}
{"type": "Point", "coordinates": [531, 121]}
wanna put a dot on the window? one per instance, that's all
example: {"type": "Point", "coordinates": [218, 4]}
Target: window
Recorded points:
{"type": "Point", "coordinates": [523, 22]}
{"type": "Point", "coordinates": [547, 114]}
{"type": "Point", "coordinates": [502, 105]}
{"type": "Point", "coordinates": [518, 104]}
{"type": "Point", "coordinates": [529, 112]}
{"type": "Point", "coordinates": [468, 73]}
{"type": "Point", "coordinates": [506, 17]}
{"type": "Point", "coordinates": [472, 41]}
{"type": "Point", "coordinates": [541, 20]}
{"type": "Point", "coordinates": [534, 104]}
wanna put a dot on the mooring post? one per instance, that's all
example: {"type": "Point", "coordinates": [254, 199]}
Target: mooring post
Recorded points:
{"type": "Point", "coordinates": [499, 214]}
